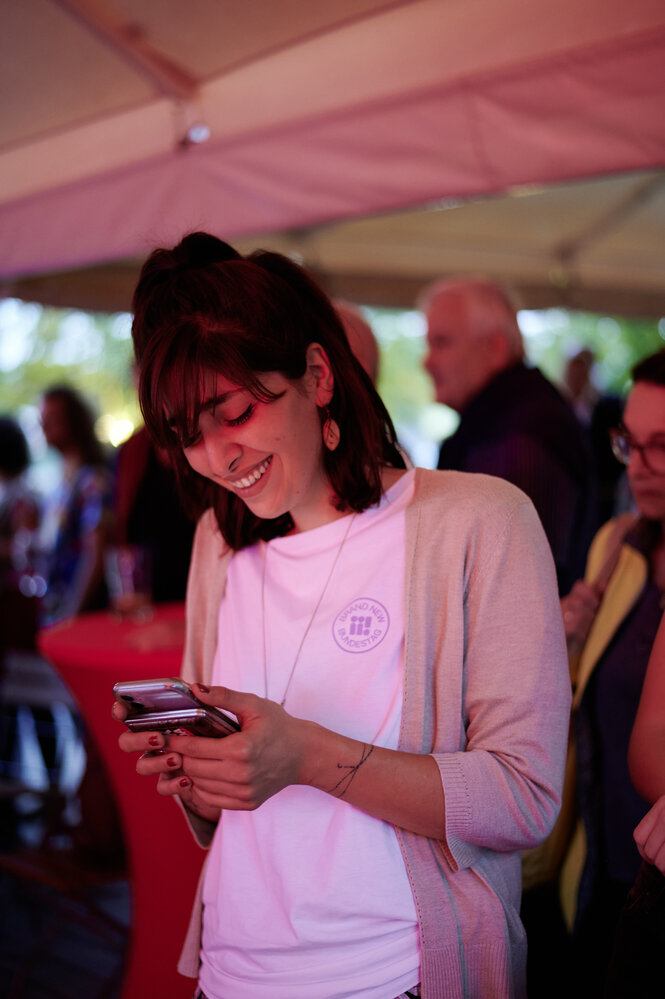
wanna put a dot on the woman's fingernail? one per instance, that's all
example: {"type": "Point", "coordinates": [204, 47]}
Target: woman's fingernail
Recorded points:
{"type": "Point", "coordinates": [183, 782]}
{"type": "Point", "coordinates": [202, 686]}
{"type": "Point", "coordinates": [172, 762]}
{"type": "Point", "coordinates": [154, 740]}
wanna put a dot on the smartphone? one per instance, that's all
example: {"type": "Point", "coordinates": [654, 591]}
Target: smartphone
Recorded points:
{"type": "Point", "coordinates": [192, 721]}
{"type": "Point", "coordinates": [145, 698]}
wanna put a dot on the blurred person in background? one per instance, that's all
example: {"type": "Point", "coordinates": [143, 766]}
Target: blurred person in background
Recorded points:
{"type": "Point", "coordinates": [597, 413]}
{"type": "Point", "coordinates": [365, 348]}
{"type": "Point", "coordinates": [611, 618]}
{"type": "Point", "coordinates": [361, 337]}
{"type": "Point", "coordinates": [19, 509]}
{"type": "Point", "coordinates": [149, 514]}
{"type": "Point", "coordinates": [19, 518]}
{"type": "Point", "coordinates": [77, 517]}
{"type": "Point", "coordinates": [77, 527]}
{"type": "Point", "coordinates": [513, 422]}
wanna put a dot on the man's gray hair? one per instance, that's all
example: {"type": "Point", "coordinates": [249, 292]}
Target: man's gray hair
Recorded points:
{"type": "Point", "coordinates": [491, 307]}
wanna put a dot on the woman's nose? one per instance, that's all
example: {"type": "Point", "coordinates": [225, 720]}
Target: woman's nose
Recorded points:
{"type": "Point", "coordinates": [223, 456]}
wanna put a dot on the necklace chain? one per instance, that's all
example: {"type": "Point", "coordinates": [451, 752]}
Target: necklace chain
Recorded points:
{"type": "Point", "coordinates": [311, 620]}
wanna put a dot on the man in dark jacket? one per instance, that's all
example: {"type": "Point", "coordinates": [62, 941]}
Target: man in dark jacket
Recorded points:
{"type": "Point", "coordinates": [514, 423]}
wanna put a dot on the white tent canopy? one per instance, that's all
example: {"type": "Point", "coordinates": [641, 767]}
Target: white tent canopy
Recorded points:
{"type": "Point", "coordinates": [327, 121]}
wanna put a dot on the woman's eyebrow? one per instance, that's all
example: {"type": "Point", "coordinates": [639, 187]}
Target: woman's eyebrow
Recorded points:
{"type": "Point", "coordinates": [218, 400]}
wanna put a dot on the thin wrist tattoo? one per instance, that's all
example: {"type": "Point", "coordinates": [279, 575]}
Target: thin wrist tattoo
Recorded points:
{"type": "Point", "coordinates": [351, 770]}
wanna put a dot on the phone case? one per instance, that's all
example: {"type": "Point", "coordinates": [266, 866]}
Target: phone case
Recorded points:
{"type": "Point", "coordinates": [147, 696]}
{"type": "Point", "coordinates": [169, 694]}
{"type": "Point", "coordinates": [194, 721]}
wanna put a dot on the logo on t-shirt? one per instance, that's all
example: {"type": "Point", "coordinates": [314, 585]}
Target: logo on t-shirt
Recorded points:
{"type": "Point", "coordinates": [361, 626]}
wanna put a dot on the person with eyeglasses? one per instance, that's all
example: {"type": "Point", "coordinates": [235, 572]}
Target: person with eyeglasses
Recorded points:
{"type": "Point", "coordinates": [611, 618]}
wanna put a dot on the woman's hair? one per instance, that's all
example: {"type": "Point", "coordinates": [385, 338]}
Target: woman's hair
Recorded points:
{"type": "Point", "coordinates": [203, 307]}
{"type": "Point", "coordinates": [80, 423]}
{"type": "Point", "coordinates": [650, 369]}
{"type": "Point", "coordinates": [14, 453]}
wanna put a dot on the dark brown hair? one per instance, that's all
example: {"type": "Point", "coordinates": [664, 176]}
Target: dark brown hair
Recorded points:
{"type": "Point", "coordinates": [14, 453]}
{"type": "Point", "coordinates": [80, 420]}
{"type": "Point", "coordinates": [202, 306]}
{"type": "Point", "coordinates": [650, 369]}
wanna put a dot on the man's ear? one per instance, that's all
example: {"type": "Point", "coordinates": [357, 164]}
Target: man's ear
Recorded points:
{"type": "Point", "coordinates": [319, 374]}
{"type": "Point", "coordinates": [499, 352]}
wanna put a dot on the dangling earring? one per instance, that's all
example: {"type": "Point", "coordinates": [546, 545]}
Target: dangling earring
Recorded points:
{"type": "Point", "coordinates": [331, 433]}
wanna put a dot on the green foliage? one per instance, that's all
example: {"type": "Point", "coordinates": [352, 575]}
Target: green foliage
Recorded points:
{"type": "Point", "coordinates": [617, 343]}
{"type": "Point", "coordinates": [40, 347]}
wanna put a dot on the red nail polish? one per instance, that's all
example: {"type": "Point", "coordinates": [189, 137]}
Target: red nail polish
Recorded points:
{"type": "Point", "coordinates": [154, 740]}
{"type": "Point", "coordinates": [183, 782]}
{"type": "Point", "coordinates": [202, 686]}
{"type": "Point", "coordinates": [172, 762]}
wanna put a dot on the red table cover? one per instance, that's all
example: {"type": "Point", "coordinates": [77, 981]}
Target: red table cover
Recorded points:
{"type": "Point", "coordinates": [91, 653]}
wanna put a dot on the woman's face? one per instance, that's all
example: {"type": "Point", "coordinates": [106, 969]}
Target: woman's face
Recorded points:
{"type": "Point", "coordinates": [55, 425]}
{"type": "Point", "coordinates": [644, 418]}
{"type": "Point", "coordinates": [269, 454]}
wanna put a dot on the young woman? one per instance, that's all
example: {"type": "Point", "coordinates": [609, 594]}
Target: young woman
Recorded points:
{"type": "Point", "coordinates": [76, 521]}
{"type": "Point", "coordinates": [389, 640]}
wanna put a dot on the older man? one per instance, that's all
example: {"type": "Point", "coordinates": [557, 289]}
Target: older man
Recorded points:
{"type": "Point", "coordinates": [514, 423]}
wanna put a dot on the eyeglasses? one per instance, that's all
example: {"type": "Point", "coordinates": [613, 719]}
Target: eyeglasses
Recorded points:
{"type": "Point", "coordinates": [623, 444]}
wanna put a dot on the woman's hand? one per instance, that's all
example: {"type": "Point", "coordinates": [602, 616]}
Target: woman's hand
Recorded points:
{"type": "Point", "coordinates": [242, 770]}
{"type": "Point", "coordinates": [650, 835]}
{"type": "Point", "coordinates": [579, 608]}
{"type": "Point", "coordinates": [239, 771]}
{"type": "Point", "coordinates": [156, 759]}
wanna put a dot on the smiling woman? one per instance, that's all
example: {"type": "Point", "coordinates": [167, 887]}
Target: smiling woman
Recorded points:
{"type": "Point", "coordinates": [248, 356]}
{"type": "Point", "coordinates": [339, 606]}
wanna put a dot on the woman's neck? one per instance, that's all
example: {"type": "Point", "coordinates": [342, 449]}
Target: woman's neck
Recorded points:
{"type": "Point", "coordinates": [326, 511]}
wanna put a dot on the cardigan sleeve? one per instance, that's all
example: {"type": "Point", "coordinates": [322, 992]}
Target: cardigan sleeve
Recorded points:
{"type": "Point", "coordinates": [503, 787]}
{"type": "Point", "coordinates": [205, 587]}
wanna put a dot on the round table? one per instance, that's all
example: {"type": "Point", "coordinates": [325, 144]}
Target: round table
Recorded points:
{"type": "Point", "coordinates": [91, 653]}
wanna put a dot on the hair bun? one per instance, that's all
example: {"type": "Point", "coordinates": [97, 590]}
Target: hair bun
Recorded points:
{"type": "Point", "coordinates": [199, 249]}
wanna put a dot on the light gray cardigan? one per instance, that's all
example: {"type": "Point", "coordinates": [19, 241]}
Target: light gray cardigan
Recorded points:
{"type": "Point", "coordinates": [486, 692]}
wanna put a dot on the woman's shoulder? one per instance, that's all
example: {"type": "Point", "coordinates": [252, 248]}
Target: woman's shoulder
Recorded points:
{"type": "Point", "coordinates": [455, 509]}
{"type": "Point", "coordinates": [207, 570]}
{"type": "Point", "coordinates": [471, 491]}
{"type": "Point", "coordinates": [208, 538]}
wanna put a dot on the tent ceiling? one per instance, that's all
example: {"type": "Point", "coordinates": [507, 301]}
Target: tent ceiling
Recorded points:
{"type": "Point", "coordinates": [595, 245]}
{"type": "Point", "coordinates": [531, 133]}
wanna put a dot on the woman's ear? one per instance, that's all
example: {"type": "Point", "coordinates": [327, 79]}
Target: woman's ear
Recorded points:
{"type": "Point", "coordinates": [319, 375]}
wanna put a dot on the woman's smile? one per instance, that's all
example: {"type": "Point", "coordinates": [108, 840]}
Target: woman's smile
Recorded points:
{"type": "Point", "coordinates": [252, 477]}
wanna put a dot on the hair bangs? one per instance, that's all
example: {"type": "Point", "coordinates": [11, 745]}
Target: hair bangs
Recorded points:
{"type": "Point", "coordinates": [174, 381]}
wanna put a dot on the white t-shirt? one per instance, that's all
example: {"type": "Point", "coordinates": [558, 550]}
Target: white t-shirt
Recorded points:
{"type": "Point", "coordinates": [308, 897]}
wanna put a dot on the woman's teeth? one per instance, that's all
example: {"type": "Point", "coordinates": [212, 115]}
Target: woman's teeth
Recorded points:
{"type": "Point", "coordinates": [253, 477]}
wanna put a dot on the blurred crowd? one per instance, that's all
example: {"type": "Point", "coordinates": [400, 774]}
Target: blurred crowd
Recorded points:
{"type": "Point", "coordinates": [55, 546]}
